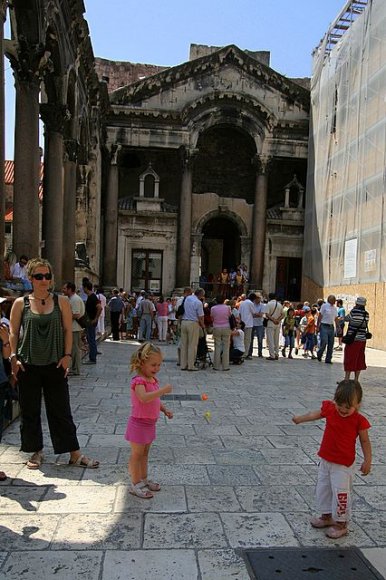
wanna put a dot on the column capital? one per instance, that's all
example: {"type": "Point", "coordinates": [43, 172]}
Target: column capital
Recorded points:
{"type": "Point", "coordinates": [114, 153]}
{"type": "Point", "coordinates": [187, 156]}
{"type": "Point", "coordinates": [263, 164]}
{"type": "Point", "coordinates": [29, 61]}
{"type": "Point", "coordinates": [54, 116]}
{"type": "Point", "coordinates": [71, 150]}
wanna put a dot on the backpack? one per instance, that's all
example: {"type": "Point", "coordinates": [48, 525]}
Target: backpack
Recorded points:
{"type": "Point", "coordinates": [181, 309]}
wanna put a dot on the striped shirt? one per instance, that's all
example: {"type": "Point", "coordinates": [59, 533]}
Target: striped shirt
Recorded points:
{"type": "Point", "coordinates": [358, 318]}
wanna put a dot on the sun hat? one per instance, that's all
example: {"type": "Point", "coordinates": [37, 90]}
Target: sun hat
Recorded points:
{"type": "Point", "coordinates": [361, 301]}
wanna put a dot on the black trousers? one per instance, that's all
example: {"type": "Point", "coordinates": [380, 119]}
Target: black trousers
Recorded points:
{"type": "Point", "coordinates": [49, 381]}
{"type": "Point", "coordinates": [114, 319]}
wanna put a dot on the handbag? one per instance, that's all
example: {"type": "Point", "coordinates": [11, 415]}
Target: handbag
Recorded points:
{"type": "Point", "coordinates": [84, 321]}
{"type": "Point", "coordinates": [349, 337]}
{"type": "Point", "coordinates": [232, 321]}
{"type": "Point", "coordinates": [265, 320]}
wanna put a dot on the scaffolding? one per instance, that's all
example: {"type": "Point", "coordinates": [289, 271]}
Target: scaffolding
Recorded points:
{"type": "Point", "coordinates": [345, 219]}
{"type": "Point", "coordinates": [349, 13]}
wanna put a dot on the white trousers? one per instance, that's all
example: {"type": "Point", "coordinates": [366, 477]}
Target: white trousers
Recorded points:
{"type": "Point", "coordinates": [334, 490]}
{"type": "Point", "coordinates": [162, 323]}
{"type": "Point", "coordinates": [273, 333]}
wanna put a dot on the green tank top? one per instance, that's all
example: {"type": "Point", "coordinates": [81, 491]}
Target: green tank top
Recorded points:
{"type": "Point", "coordinates": [42, 340]}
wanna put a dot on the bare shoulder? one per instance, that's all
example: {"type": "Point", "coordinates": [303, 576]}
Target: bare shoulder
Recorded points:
{"type": "Point", "coordinates": [18, 304]}
{"type": "Point", "coordinates": [63, 301]}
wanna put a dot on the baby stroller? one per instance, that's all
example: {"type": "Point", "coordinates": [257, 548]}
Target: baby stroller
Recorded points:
{"type": "Point", "coordinates": [203, 359]}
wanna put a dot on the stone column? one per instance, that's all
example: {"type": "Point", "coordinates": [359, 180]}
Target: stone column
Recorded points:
{"type": "Point", "coordinates": [185, 220]}
{"type": "Point", "coordinates": [259, 222]}
{"type": "Point", "coordinates": [29, 62]}
{"type": "Point", "coordinates": [54, 117]}
{"type": "Point", "coordinates": [26, 231]}
{"type": "Point", "coordinates": [2, 131]}
{"type": "Point", "coordinates": [69, 208]}
{"type": "Point", "coordinates": [111, 222]}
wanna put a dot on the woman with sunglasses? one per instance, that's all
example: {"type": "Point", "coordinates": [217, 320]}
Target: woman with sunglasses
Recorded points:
{"type": "Point", "coordinates": [40, 359]}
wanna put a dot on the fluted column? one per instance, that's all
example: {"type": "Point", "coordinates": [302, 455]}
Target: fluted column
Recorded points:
{"type": "Point", "coordinates": [111, 222]}
{"type": "Point", "coordinates": [69, 208]}
{"type": "Point", "coordinates": [54, 117]}
{"type": "Point", "coordinates": [259, 221]}
{"type": "Point", "coordinates": [185, 220]}
{"type": "Point", "coordinates": [2, 131]}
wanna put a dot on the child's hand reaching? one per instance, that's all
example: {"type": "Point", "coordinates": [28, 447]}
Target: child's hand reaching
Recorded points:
{"type": "Point", "coordinates": [296, 419]}
{"type": "Point", "coordinates": [167, 389]}
{"type": "Point", "coordinates": [365, 468]}
{"type": "Point", "coordinates": [168, 413]}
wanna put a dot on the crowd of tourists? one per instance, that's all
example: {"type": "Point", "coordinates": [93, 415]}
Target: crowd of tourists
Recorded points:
{"type": "Point", "coordinates": [40, 337]}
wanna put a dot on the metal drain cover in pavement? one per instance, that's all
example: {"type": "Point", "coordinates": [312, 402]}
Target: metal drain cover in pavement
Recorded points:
{"type": "Point", "coordinates": [309, 563]}
{"type": "Point", "coordinates": [181, 397]}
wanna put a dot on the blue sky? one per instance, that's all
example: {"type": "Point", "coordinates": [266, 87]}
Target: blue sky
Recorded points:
{"type": "Point", "coordinates": [160, 32]}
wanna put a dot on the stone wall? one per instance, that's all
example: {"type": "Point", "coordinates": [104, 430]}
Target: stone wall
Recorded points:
{"type": "Point", "coordinates": [118, 74]}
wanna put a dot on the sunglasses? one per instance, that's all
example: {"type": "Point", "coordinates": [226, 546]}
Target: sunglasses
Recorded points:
{"type": "Point", "coordinates": [39, 276]}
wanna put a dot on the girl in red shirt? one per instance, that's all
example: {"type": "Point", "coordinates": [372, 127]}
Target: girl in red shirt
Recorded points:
{"type": "Point", "coordinates": [337, 455]}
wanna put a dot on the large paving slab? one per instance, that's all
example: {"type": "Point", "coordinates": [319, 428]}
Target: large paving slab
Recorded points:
{"type": "Point", "coordinates": [242, 477]}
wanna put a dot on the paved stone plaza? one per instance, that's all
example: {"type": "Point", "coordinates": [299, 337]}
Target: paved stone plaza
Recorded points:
{"type": "Point", "coordinates": [243, 477]}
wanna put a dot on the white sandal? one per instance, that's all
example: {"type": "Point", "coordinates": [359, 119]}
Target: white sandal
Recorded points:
{"type": "Point", "coordinates": [139, 491]}
{"type": "Point", "coordinates": [152, 485]}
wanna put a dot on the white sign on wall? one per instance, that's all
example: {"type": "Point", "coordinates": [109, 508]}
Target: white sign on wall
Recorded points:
{"type": "Point", "coordinates": [370, 258]}
{"type": "Point", "coordinates": [350, 258]}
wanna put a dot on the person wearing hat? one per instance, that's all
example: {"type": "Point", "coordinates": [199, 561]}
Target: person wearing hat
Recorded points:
{"type": "Point", "coordinates": [354, 360]}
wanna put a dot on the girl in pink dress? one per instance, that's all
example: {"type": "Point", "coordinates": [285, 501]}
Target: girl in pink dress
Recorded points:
{"type": "Point", "coordinates": [145, 410]}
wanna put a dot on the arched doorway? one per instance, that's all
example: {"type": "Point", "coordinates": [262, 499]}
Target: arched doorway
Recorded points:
{"type": "Point", "coordinates": [220, 246]}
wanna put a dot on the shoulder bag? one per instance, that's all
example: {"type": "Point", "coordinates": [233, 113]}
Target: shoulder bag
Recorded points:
{"type": "Point", "coordinates": [349, 337]}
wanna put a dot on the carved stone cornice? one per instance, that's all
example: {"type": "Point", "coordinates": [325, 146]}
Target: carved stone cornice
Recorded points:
{"type": "Point", "coordinates": [208, 65]}
{"type": "Point", "coordinates": [54, 116]}
{"type": "Point", "coordinates": [29, 61]}
{"type": "Point", "coordinates": [71, 147]}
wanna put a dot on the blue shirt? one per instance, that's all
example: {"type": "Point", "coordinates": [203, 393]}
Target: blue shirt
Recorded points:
{"type": "Point", "coordinates": [193, 308]}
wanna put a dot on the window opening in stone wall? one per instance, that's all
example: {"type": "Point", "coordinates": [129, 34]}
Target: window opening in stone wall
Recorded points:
{"type": "Point", "coordinates": [146, 271]}
{"type": "Point", "coordinates": [288, 278]}
{"type": "Point", "coordinates": [149, 186]}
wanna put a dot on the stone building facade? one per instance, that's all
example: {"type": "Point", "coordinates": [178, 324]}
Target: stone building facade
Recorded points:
{"type": "Point", "coordinates": [52, 60]}
{"type": "Point", "coordinates": [206, 165]}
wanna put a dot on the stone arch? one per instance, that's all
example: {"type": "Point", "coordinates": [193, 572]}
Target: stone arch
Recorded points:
{"type": "Point", "coordinates": [243, 112]}
{"type": "Point", "coordinates": [198, 226]}
{"type": "Point", "coordinates": [144, 190]}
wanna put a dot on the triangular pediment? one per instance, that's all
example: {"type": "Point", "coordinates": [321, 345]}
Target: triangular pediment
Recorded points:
{"type": "Point", "coordinates": [229, 71]}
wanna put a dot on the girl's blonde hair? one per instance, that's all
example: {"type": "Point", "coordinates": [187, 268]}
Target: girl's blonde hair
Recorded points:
{"type": "Point", "coordinates": [38, 263]}
{"type": "Point", "coordinates": [142, 354]}
{"type": "Point", "coordinates": [348, 392]}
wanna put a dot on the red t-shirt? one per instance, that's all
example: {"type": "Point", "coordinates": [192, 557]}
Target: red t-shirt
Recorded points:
{"type": "Point", "coordinates": [339, 438]}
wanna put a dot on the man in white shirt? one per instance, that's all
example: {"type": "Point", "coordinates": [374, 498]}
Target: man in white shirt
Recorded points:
{"type": "Point", "coordinates": [78, 309]}
{"type": "Point", "coordinates": [247, 312]}
{"type": "Point", "coordinates": [326, 325]}
{"type": "Point", "coordinates": [274, 315]}
{"type": "Point", "coordinates": [19, 272]}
